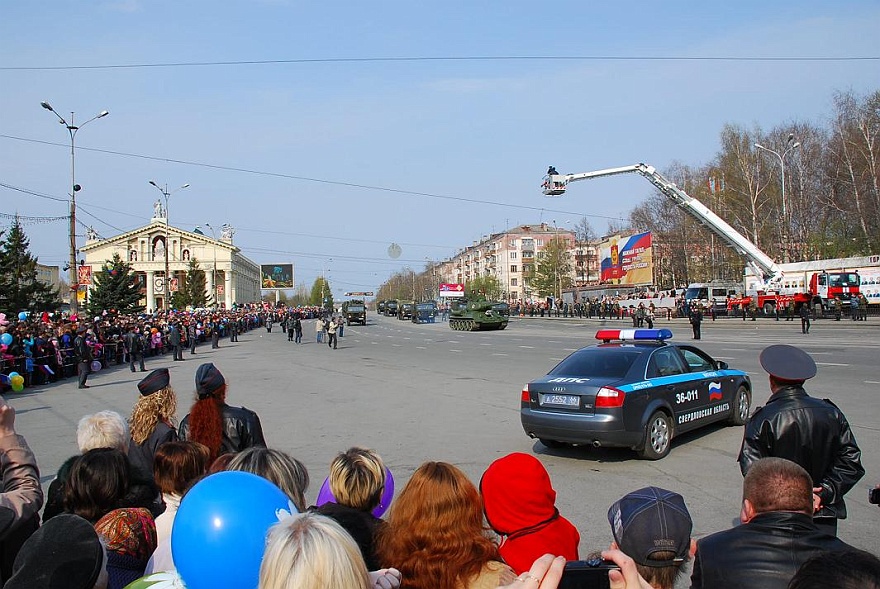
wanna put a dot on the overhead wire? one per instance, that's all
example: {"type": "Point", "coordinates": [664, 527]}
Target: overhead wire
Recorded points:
{"type": "Point", "coordinates": [426, 58]}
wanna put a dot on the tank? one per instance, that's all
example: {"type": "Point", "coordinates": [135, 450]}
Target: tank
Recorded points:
{"type": "Point", "coordinates": [475, 315]}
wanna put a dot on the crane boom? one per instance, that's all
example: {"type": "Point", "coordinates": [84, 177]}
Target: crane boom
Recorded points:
{"type": "Point", "coordinates": [760, 263]}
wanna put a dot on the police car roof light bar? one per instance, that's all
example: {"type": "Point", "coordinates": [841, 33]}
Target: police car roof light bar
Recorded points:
{"type": "Point", "coordinates": [608, 335]}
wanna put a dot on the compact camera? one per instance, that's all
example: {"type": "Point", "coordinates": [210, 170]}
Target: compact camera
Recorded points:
{"type": "Point", "coordinates": [587, 574]}
{"type": "Point", "coordinates": [874, 496]}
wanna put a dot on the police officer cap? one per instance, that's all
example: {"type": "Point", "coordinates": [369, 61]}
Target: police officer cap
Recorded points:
{"type": "Point", "coordinates": [788, 363]}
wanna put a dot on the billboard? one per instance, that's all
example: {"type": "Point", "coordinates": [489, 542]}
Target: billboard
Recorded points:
{"type": "Point", "coordinates": [276, 276]}
{"type": "Point", "coordinates": [451, 289]}
{"type": "Point", "coordinates": [627, 260]}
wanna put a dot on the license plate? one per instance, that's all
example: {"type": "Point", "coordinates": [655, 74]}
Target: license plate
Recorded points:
{"type": "Point", "coordinates": [560, 400]}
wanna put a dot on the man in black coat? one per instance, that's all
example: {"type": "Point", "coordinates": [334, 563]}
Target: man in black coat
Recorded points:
{"type": "Point", "coordinates": [174, 339]}
{"type": "Point", "coordinates": [134, 347]}
{"type": "Point", "coordinates": [696, 319]}
{"type": "Point", "coordinates": [777, 534]}
{"type": "Point", "coordinates": [83, 356]}
{"type": "Point", "coordinates": [811, 432]}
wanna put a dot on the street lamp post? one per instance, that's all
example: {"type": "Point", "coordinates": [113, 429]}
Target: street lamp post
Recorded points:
{"type": "Point", "coordinates": [791, 146]}
{"type": "Point", "coordinates": [74, 188]}
{"type": "Point", "coordinates": [214, 268]}
{"type": "Point", "coordinates": [166, 194]}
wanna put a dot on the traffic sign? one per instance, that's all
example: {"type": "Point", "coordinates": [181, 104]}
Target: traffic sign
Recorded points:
{"type": "Point", "coordinates": [451, 289]}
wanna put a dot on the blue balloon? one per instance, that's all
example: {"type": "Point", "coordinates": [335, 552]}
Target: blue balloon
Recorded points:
{"type": "Point", "coordinates": [6, 338]}
{"type": "Point", "coordinates": [219, 532]}
{"type": "Point", "coordinates": [13, 374]}
{"type": "Point", "coordinates": [22, 316]}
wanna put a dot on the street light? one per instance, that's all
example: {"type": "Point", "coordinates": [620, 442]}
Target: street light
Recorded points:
{"type": "Point", "coordinates": [166, 194]}
{"type": "Point", "coordinates": [324, 282]}
{"type": "Point", "coordinates": [785, 224]}
{"type": "Point", "coordinates": [74, 188]}
{"type": "Point", "coordinates": [214, 268]}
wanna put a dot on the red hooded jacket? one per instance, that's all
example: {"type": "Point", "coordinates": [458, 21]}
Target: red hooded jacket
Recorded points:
{"type": "Point", "coordinates": [519, 503]}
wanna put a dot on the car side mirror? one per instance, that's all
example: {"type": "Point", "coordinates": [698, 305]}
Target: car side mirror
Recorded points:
{"type": "Point", "coordinates": [722, 365]}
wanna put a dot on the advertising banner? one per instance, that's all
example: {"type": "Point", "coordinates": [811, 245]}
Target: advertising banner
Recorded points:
{"type": "Point", "coordinates": [84, 274]}
{"type": "Point", "coordinates": [451, 289]}
{"type": "Point", "coordinates": [627, 260]}
{"type": "Point", "coordinates": [276, 276]}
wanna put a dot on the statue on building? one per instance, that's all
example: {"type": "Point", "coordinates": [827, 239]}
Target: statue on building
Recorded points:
{"type": "Point", "coordinates": [158, 213]}
{"type": "Point", "coordinates": [227, 231]}
{"type": "Point", "coordinates": [91, 234]}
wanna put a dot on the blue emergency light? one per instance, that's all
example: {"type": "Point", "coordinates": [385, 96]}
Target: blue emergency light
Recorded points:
{"type": "Point", "coordinates": [625, 335]}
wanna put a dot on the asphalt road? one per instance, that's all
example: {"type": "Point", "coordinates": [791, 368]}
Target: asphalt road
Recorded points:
{"type": "Point", "coordinates": [426, 392]}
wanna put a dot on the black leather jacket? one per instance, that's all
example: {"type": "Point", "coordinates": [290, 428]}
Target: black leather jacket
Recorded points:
{"type": "Point", "coordinates": [241, 429]}
{"type": "Point", "coordinates": [762, 554]}
{"type": "Point", "coordinates": [811, 432]}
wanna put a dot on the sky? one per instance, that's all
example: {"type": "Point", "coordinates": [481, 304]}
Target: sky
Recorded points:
{"type": "Point", "coordinates": [379, 123]}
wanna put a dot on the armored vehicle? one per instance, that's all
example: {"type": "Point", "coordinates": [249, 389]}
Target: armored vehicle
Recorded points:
{"type": "Point", "coordinates": [380, 307]}
{"type": "Point", "coordinates": [424, 312]}
{"type": "Point", "coordinates": [354, 311]}
{"type": "Point", "coordinates": [391, 308]}
{"type": "Point", "coordinates": [475, 315]}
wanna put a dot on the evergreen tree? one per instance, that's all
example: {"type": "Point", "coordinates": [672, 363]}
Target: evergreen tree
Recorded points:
{"type": "Point", "coordinates": [195, 287]}
{"type": "Point", "coordinates": [484, 286]}
{"type": "Point", "coordinates": [19, 288]}
{"type": "Point", "coordinates": [115, 287]}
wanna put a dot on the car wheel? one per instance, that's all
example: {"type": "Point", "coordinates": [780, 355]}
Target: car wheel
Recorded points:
{"type": "Point", "coordinates": [742, 402]}
{"type": "Point", "coordinates": [658, 435]}
{"type": "Point", "coordinates": [552, 443]}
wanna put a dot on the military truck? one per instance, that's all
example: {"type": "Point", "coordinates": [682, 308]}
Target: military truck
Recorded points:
{"type": "Point", "coordinates": [391, 308]}
{"type": "Point", "coordinates": [404, 310]}
{"type": "Point", "coordinates": [380, 307]}
{"type": "Point", "coordinates": [424, 312]}
{"type": "Point", "coordinates": [354, 311]}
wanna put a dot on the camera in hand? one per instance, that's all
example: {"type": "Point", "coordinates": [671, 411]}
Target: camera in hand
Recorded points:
{"type": "Point", "coordinates": [587, 574]}
{"type": "Point", "coordinates": [874, 496]}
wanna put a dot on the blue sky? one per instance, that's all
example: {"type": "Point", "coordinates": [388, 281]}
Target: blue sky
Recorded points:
{"type": "Point", "coordinates": [328, 137]}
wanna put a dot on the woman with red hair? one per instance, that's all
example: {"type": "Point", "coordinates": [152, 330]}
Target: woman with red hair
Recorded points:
{"type": "Point", "coordinates": [223, 429]}
{"type": "Point", "coordinates": [436, 537]}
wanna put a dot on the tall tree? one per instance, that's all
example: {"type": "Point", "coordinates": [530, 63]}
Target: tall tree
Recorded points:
{"type": "Point", "coordinates": [552, 273]}
{"type": "Point", "coordinates": [321, 295]}
{"type": "Point", "coordinates": [195, 286]}
{"type": "Point", "coordinates": [486, 286]}
{"type": "Point", "coordinates": [20, 290]}
{"type": "Point", "coordinates": [116, 287]}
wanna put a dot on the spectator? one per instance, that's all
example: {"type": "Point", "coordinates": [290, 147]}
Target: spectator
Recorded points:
{"type": "Point", "coordinates": [813, 433]}
{"type": "Point", "coordinates": [104, 429]}
{"type": "Point", "coordinates": [519, 503]}
{"type": "Point", "coordinates": [310, 551]}
{"type": "Point", "coordinates": [777, 534]}
{"type": "Point", "coordinates": [439, 497]}
{"type": "Point", "coordinates": [65, 553]}
{"type": "Point", "coordinates": [130, 538]}
{"type": "Point", "coordinates": [151, 419]}
{"type": "Point", "coordinates": [849, 569]}
{"type": "Point", "coordinates": [215, 424]}
{"type": "Point", "coordinates": [288, 473]}
{"type": "Point", "coordinates": [177, 466]}
{"type": "Point", "coordinates": [22, 496]}
{"type": "Point", "coordinates": [357, 479]}
{"type": "Point", "coordinates": [653, 527]}
{"type": "Point", "coordinates": [98, 483]}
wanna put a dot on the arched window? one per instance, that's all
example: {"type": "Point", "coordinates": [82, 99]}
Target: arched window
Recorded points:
{"type": "Point", "coordinates": [158, 247]}
{"type": "Point", "coordinates": [132, 256]}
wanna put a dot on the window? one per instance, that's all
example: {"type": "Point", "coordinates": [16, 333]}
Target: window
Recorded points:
{"type": "Point", "coordinates": [512, 255]}
{"type": "Point", "coordinates": [696, 362]}
{"type": "Point", "coordinates": [513, 282]}
{"type": "Point", "coordinates": [539, 242]}
{"type": "Point", "coordinates": [514, 294]}
{"type": "Point", "coordinates": [513, 268]}
{"type": "Point", "coordinates": [664, 362]}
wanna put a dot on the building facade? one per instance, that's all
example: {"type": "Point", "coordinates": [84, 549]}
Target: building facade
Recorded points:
{"type": "Point", "coordinates": [511, 256]}
{"type": "Point", "coordinates": [230, 276]}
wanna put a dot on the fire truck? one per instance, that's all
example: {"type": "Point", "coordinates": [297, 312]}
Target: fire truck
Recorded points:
{"type": "Point", "coordinates": [771, 285]}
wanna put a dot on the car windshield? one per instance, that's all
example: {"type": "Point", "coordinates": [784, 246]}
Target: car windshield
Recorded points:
{"type": "Point", "coordinates": [598, 362]}
{"type": "Point", "coordinates": [355, 308]}
{"type": "Point", "coordinates": [425, 307]}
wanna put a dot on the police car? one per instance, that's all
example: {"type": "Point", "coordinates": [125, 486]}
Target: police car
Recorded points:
{"type": "Point", "coordinates": [633, 390]}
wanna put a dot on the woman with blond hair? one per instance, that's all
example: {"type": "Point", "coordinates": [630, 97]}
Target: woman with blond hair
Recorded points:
{"type": "Point", "coordinates": [288, 473]}
{"type": "Point", "coordinates": [435, 534]}
{"type": "Point", "coordinates": [151, 421]}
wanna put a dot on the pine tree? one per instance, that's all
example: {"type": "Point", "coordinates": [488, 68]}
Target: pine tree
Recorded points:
{"type": "Point", "coordinates": [19, 288]}
{"type": "Point", "coordinates": [116, 287]}
{"type": "Point", "coordinates": [553, 271]}
{"type": "Point", "coordinates": [195, 287]}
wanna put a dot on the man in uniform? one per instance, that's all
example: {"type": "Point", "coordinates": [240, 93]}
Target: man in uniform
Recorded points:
{"type": "Point", "coordinates": [174, 339]}
{"type": "Point", "coordinates": [811, 432]}
{"type": "Point", "coordinates": [696, 319]}
{"type": "Point", "coordinates": [838, 309]}
{"type": "Point", "coordinates": [134, 347]}
{"type": "Point", "coordinates": [83, 353]}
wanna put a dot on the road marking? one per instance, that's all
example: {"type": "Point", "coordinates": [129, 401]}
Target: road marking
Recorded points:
{"type": "Point", "coordinates": [395, 345]}
{"type": "Point", "coordinates": [724, 357]}
{"type": "Point", "coordinates": [485, 344]}
{"type": "Point", "coordinates": [830, 364]}
{"type": "Point", "coordinates": [552, 342]}
{"type": "Point", "coordinates": [455, 350]}
{"type": "Point", "coordinates": [499, 354]}
{"type": "Point", "coordinates": [421, 348]}
{"type": "Point", "coordinates": [556, 359]}
{"type": "Point", "coordinates": [571, 349]}
{"type": "Point", "coordinates": [406, 338]}
{"type": "Point", "coordinates": [528, 347]}
{"type": "Point", "coordinates": [872, 382]}
{"type": "Point", "coordinates": [735, 350]}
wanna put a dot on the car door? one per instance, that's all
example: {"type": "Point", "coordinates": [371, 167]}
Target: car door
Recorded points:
{"type": "Point", "coordinates": [717, 387]}
{"type": "Point", "coordinates": [671, 381]}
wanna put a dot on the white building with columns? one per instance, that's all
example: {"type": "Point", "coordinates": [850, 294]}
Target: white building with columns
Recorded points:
{"type": "Point", "coordinates": [230, 276]}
